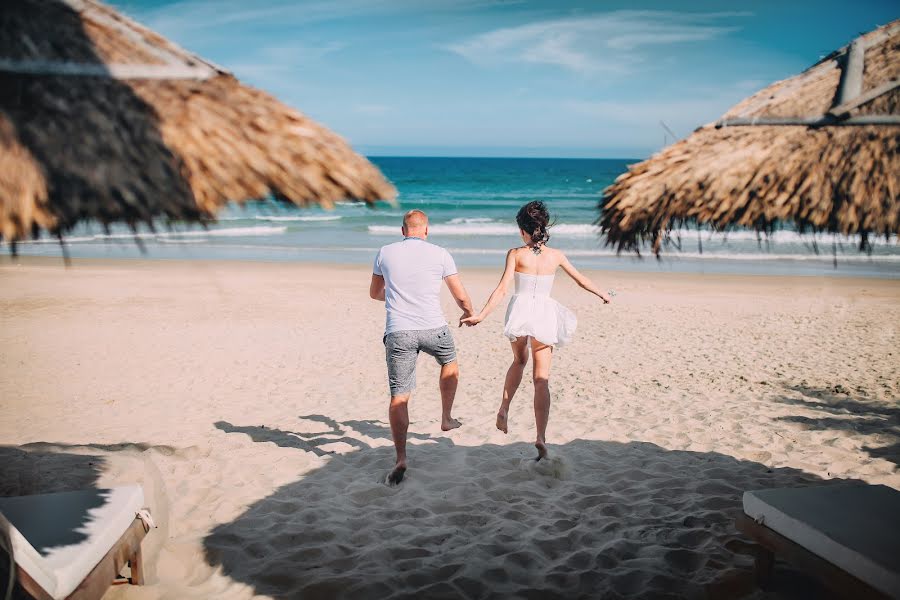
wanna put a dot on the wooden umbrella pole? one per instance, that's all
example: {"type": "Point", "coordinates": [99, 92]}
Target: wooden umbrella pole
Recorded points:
{"type": "Point", "coordinates": [851, 82]}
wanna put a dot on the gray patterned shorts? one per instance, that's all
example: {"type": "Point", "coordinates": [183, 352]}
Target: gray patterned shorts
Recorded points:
{"type": "Point", "coordinates": [401, 348]}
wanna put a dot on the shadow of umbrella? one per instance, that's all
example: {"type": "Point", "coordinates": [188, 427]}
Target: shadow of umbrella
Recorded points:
{"type": "Point", "coordinates": [601, 519]}
{"type": "Point", "coordinates": [844, 413]}
{"type": "Point", "coordinates": [103, 119]}
{"type": "Point", "coordinates": [289, 439]}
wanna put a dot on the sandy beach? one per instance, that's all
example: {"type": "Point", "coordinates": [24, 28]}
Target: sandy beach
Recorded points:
{"type": "Point", "coordinates": [250, 401]}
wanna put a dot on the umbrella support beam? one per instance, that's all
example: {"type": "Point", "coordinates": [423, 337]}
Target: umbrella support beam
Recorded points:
{"type": "Point", "coordinates": [822, 121]}
{"type": "Point", "coordinates": [844, 108]}
{"type": "Point", "coordinates": [111, 71]}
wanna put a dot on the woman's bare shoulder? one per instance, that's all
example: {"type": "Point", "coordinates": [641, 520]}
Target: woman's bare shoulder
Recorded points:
{"type": "Point", "coordinates": [513, 255]}
{"type": "Point", "coordinates": [558, 255]}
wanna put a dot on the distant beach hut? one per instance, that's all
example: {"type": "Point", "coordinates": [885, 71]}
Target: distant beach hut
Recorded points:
{"type": "Point", "coordinates": [821, 150]}
{"type": "Point", "coordinates": [103, 119]}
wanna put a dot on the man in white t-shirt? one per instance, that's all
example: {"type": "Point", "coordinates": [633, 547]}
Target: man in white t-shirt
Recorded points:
{"type": "Point", "coordinates": [407, 277]}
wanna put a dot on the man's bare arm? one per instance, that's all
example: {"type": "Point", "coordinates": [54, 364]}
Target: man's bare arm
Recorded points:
{"type": "Point", "coordinates": [376, 288]}
{"type": "Point", "coordinates": [459, 293]}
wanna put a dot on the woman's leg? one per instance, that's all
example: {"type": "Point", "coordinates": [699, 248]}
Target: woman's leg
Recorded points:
{"type": "Point", "coordinates": [541, 355]}
{"type": "Point", "coordinates": [513, 379]}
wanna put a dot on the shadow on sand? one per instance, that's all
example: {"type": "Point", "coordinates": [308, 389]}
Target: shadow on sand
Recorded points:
{"type": "Point", "coordinates": [855, 415]}
{"type": "Point", "coordinates": [599, 519]}
{"type": "Point", "coordinates": [34, 470]}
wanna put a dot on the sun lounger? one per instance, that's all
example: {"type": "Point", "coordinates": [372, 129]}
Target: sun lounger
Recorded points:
{"type": "Point", "coordinates": [74, 544]}
{"type": "Point", "coordinates": [847, 535]}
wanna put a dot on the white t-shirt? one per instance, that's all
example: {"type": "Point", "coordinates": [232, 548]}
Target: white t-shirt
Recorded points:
{"type": "Point", "coordinates": [413, 271]}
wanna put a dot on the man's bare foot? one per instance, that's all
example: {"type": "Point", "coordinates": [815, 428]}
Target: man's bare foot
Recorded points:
{"type": "Point", "coordinates": [396, 476]}
{"type": "Point", "coordinates": [542, 450]}
{"type": "Point", "coordinates": [449, 423]}
{"type": "Point", "coordinates": [501, 421]}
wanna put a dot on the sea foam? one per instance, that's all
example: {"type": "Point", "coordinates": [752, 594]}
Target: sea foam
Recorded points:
{"type": "Point", "coordinates": [298, 218]}
{"type": "Point", "coordinates": [167, 235]}
{"type": "Point", "coordinates": [475, 227]}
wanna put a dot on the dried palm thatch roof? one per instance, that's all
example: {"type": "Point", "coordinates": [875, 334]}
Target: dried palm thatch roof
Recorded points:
{"type": "Point", "coordinates": [821, 149]}
{"type": "Point", "coordinates": [101, 118]}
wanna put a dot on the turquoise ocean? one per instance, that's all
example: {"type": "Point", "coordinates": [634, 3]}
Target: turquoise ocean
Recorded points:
{"type": "Point", "coordinates": [472, 203]}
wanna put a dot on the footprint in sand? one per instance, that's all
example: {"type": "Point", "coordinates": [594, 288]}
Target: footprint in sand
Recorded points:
{"type": "Point", "coordinates": [553, 466]}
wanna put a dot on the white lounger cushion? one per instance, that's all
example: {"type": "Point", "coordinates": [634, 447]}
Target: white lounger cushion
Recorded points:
{"type": "Point", "coordinates": [59, 538]}
{"type": "Point", "coordinates": [854, 526]}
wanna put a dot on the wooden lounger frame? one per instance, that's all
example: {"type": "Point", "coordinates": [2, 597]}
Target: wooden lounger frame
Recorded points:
{"type": "Point", "coordinates": [773, 543]}
{"type": "Point", "coordinates": [126, 550]}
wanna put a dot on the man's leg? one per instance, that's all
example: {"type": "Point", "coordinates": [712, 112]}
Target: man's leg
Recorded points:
{"type": "Point", "coordinates": [439, 344]}
{"type": "Point", "coordinates": [398, 414]}
{"type": "Point", "coordinates": [401, 350]}
{"type": "Point", "coordinates": [449, 382]}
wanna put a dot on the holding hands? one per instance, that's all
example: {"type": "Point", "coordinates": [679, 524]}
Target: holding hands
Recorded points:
{"type": "Point", "coordinates": [471, 320]}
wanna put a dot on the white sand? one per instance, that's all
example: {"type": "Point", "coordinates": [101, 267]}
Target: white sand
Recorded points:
{"type": "Point", "coordinates": [250, 401]}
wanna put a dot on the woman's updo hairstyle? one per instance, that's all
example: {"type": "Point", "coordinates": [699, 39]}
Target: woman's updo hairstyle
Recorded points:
{"type": "Point", "coordinates": [534, 219]}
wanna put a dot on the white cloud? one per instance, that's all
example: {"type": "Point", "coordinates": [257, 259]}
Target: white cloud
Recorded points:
{"type": "Point", "coordinates": [643, 118]}
{"type": "Point", "coordinates": [274, 65]}
{"type": "Point", "coordinates": [611, 42]}
{"type": "Point", "coordinates": [751, 85]}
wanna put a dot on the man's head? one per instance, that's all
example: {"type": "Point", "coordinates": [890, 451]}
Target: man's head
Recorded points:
{"type": "Point", "coordinates": [415, 224]}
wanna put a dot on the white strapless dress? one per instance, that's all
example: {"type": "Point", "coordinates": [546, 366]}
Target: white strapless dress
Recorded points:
{"type": "Point", "coordinates": [532, 312]}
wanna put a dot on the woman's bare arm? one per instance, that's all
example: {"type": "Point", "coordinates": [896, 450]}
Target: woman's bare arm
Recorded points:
{"type": "Point", "coordinates": [498, 293]}
{"type": "Point", "coordinates": [582, 281]}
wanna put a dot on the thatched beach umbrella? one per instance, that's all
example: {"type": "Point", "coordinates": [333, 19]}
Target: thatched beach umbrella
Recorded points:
{"type": "Point", "coordinates": [103, 119]}
{"type": "Point", "coordinates": [821, 149]}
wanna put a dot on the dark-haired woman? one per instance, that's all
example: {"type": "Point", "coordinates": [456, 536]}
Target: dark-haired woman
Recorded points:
{"type": "Point", "coordinates": [533, 318]}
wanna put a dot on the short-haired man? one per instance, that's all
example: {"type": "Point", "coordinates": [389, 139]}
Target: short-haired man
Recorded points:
{"type": "Point", "coordinates": [407, 277]}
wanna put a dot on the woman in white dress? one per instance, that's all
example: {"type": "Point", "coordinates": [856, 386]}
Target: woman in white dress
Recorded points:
{"type": "Point", "coordinates": [533, 318]}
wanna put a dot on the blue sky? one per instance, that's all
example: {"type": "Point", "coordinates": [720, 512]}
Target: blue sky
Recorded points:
{"type": "Point", "coordinates": [506, 77]}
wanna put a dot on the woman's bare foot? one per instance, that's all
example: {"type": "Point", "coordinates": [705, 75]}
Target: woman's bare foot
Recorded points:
{"type": "Point", "coordinates": [542, 450]}
{"type": "Point", "coordinates": [449, 423]}
{"type": "Point", "coordinates": [396, 476]}
{"type": "Point", "coordinates": [501, 420]}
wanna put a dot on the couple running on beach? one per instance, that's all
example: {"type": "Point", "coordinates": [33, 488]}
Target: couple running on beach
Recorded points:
{"type": "Point", "coordinates": [407, 277]}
